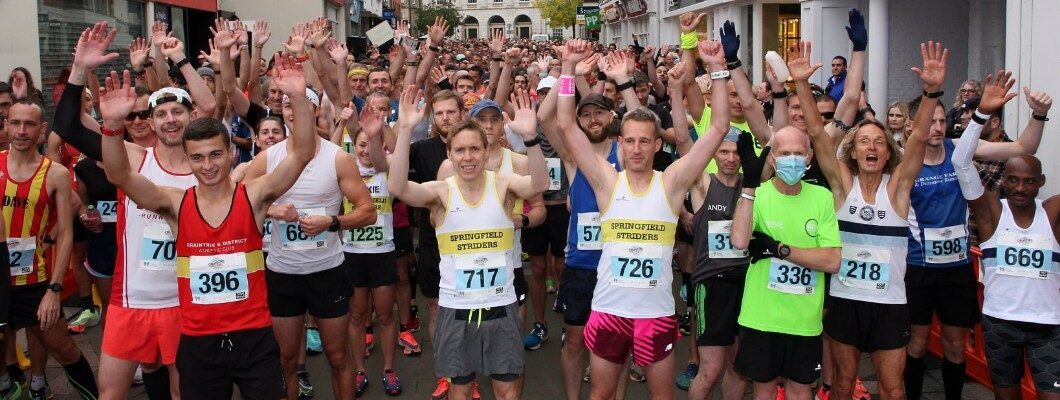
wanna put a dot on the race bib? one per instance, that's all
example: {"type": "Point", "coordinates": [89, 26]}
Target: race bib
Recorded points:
{"type": "Point", "coordinates": [588, 231]}
{"type": "Point", "coordinates": [158, 249]}
{"type": "Point", "coordinates": [218, 279]}
{"type": "Point", "coordinates": [108, 211]}
{"type": "Point", "coordinates": [555, 171]}
{"type": "Point", "coordinates": [865, 267]}
{"type": "Point", "coordinates": [718, 243]}
{"type": "Point", "coordinates": [1025, 256]}
{"type": "Point", "coordinates": [635, 267]}
{"type": "Point", "coordinates": [790, 278]}
{"type": "Point", "coordinates": [266, 236]}
{"type": "Point", "coordinates": [945, 245]}
{"type": "Point", "coordinates": [479, 275]}
{"type": "Point", "coordinates": [20, 255]}
{"type": "Point", "coordinates": [367, 236]}
{"type": "Point", "coordinates": [292, 237]}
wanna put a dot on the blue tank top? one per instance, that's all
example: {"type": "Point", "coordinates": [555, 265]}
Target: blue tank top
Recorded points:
{"type": "Point", "coordinates": [938, 230]}
{"type": "Point", "coordinates": [583, 202]}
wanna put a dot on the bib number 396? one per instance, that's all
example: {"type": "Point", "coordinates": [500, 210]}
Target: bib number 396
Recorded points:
{"type": "Point", "coordinates": [218, 279]}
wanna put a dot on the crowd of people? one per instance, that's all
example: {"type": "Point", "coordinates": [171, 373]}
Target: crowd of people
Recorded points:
{"type": "Point", "coordinates": [235, 217]}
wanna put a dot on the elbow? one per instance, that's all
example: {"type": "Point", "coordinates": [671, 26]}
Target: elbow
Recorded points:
{"type": "Point", "coordinates": [740, 242]}
{"type": "Point", "coordinates": [831, 262]}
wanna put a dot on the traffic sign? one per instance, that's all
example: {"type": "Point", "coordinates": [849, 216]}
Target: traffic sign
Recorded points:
{"type": "Point", "coordinates": [592, 20]}
{"type": "Point", "coordinates": [587, 10]}
{"type": "Point", "coordinates": [388, 13]}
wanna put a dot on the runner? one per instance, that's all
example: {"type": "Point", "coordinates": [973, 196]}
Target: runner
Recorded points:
{"type": "Point", "coordinates": [478, 324]}
{"type": "Point", "coordinates": [1021, 312]}
{"type": "Point", "coordinates": [144, 291]}
{"type": "Point", "coordinates": [633, 306]}
{"type": "Point", "coordinates": [220, 264]}
{"type": "Point", "coordinates": [37, 197]}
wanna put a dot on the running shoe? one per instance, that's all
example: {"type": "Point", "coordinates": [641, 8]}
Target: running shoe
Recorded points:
{"type": "Point", "coordinates": [550, 286]}
{"type": "Point", "coordinates": [442, 390]}
{"type": "Point", "coordinates": [313, 345]}
{"type": "Point", "coordinates": [536, 337]}
{"type": "Point", "coordinates": [684, 323]}
{"type": "Point", "coordinates": [636, 373]}
{"type": "Point", "coordinates": [686, 377]}
{"type": "Point", "coordinates": [391, 383]}
{"type": "Point", "coordinates": [822, 393]}
{"type": "Point", "coordinates": [414, 318]}
{"type": "Point", "coordinates": [305, 388]}
{"type": "Point", "coordinates": [475, 395]}
{"type": "Point", "coordinates": [361, 380]}
{"type": "Point", "coordinates": [45, 393]}
{"type": "Point", "coordinates": [138, 376]}
{"type": "Point", "coordinates": [780, 393]}
{"type": "Point", "coordinates": [11, 393]}
{"type": "Point", "coordinates": [84, 319]}
{"type": "Point", "coordinates": [408, 342]}
{"type": "Point", "coordinates": [860, 392]}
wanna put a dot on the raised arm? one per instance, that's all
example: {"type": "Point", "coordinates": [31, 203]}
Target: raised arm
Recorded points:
{"type": "Point", "coordinates": [823, 147]}
{"type": "Point", "coordinates": [619, 66]}
{"type": "Point", "coordinates": [409, 116]}
{"type": "Point", "coordinates": [847, 107]}
{"type": "Point", "coordinates": [680, 175]}
{"type": "Point", "coordinates": [1028, 141]}
{"type": "Point", "coordinates": [688, 23]}
{"type": "Point", "coordinates": [932, 74]}
{"type": "Point", "coordinates": [546, 114]}
{"type": "Point", "coordinates": [205, 104]}
{"type": "Point", "coordinates": [525, 125]}
{"type": "Point", "coordinates": [752, 109]}
{"type": "Point", "coordinates": [595, 168]}
{"type": "Point", "coordinates": [90, 53]}
{"type": "Point", "coordinates": [679, 74]}
{"type": "Point", "coordinates": [159, 34]}
{"type": "Point", "coordinates": [224, 39]}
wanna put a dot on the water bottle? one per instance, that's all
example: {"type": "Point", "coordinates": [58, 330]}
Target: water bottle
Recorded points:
{"type": "Point", "coordinates": [779, 68]}
{"type": "Point", "coordinates": [92, 218]}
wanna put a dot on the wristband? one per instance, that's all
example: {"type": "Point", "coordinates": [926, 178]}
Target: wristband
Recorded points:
{"type": "Point", "coordinates": [533, 142]}
{"type": "Point", "coordinates": [498, 59]}
{"type": "Point", "coordinates": [181, 63]}
{"type": "Point", "coordinates": [628, 85]}
{"type": "Point", "coordinates": [302, 58]}
{"type": "Point", "coordinates": [412, 63]}
{"type": "Point", "coordinates": [748, 197]}
{"type": "Point", "coordinates": [933, 95]}
{"type": "Point", "coordinates": [730, 65]}
{"type": "Point", "coordinates": [723, 74]}
{"type": "Point", "coordinates": [566, 86]}
{"type": "Point", "coordinates": [1042, 118]}
{"type": "Point", "coordinates": [434, 48]}
{"type": "Point", "coordinates": [980, 118]}
{"type": "Point", "coordinates": [689, 40]}
{"type": "Point", "coordinates": [111, 132]}
{"type": "Point", "coordinates": [781, 95]}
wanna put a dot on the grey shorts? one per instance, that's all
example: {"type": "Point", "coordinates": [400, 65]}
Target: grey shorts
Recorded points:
{"type": "Point", "coordinates": [1009, 343]}
{"type": "Point", "coordinates": [492, 345]}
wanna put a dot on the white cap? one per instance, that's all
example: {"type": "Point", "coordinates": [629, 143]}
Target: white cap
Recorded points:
{"type": "Point", "coordinates": [159, 96]}
{"type": "Point", "coordinates": [313, 98]}
{"type": "Point", "coordinates": [547, 82]}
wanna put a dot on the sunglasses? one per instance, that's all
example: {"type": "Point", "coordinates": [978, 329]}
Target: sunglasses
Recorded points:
{"type": "Point", "coordinates": [828, 115]}
{"type": "Point", "coordinates": [144, 115]}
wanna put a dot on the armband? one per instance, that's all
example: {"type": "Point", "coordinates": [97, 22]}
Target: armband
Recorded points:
{"type": "Point", "coordinates": [566, 86]}
{"type": "Point", "coordinates": [980, 118]}
{"type": "Point", "coordinates": [723, 74]}
{"type": "Point", "coordinates": [689, 40]}
{"type": "Point", "coordinates": [111, 132]}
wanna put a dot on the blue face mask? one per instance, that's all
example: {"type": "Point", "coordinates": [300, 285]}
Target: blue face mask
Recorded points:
{"type": "Point", "coordinates": [790, 169]}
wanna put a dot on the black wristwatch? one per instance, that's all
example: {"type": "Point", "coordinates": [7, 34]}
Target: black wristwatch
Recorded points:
{"type": "Point", "coordinates": [55, 287]}
{"type": "Point", "coordinates": [783, 251]}
{"type": "Point", "coordinates": [933, 95]}
{"type": "Point", "coordinates": [334, 227]}
{"type": "Point", "coordinates": [533, 142]}
{"type": "Point", "coordinates": [623, 86]}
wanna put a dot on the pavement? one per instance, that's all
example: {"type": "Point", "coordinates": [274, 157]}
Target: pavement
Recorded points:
{"type": "Point", "coordinates": [542, 382]}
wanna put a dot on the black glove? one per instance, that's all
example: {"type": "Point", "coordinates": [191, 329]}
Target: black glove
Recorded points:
{"type": "Point", "coordinates": [762, 246]}
{"type": "Point", "coordinates": [751, 163]}
{"type": "Point", "coordinates": [730, 41]}
{"type": "Point", "coordinates": [859, 37]}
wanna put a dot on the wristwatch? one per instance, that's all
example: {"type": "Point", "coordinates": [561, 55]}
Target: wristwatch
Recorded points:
{"type": "Point", "coordinates": [55, 287]}
{"type": "Point", "coordinates": [783, 251]}
{"type": "Point", "coordinates": [334, 227]}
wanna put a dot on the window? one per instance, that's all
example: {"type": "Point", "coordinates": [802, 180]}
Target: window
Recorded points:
{"type": "Point", "coordinates": [557, 33]}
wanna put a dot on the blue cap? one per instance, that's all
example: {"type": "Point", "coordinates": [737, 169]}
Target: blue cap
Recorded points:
{"type": "Point", "coordinates": [733, 135]}
{"type": "Point", "coordinates": [482, 105]}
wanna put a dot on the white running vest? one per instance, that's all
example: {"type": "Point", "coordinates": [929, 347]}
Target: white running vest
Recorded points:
{"type": "Point", "coordinates": [634, 276]}
{"type": "Point", "coordinates": [875, 242]}
{"type": "Point", "coordinates": [508, 168]}
{"type": "Point", "coordinates": [1021, 270]}
{"type": "Point", "coordinates": [315, 193]}
{"type": "Point", "coordinates": [145, 275]}
{"type": "Point", "coordinates": [475, 244]}
{"type": "Point", "coordinates": [379, 236]}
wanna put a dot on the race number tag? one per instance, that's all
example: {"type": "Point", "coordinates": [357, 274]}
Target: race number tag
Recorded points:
{"type": "Point", "coordinates": [479, 275]}
{"type": "Point", "coordinates": [218, 279]}
{"type": "Point", "coordinates": [292, 237]}
{"type": "Point", "coordinates": [634, 266]}
{"type": "Point", "coordinates": [266, 236]}
{"type": "Point", "coordinates": [108, 211]}
{"type": "Point", "coordinates": [158, 249]}
{"type": "Point", "coordinates": [367, 236]}
{"type": "Point", "coordinates": [1025, 256]}
{"type": "Point", "coordinates": [790, 278]}
{"type": "Point", "coordinates": [865, 267]}
{"type": "Point", "coordinates": [588, 231]}
{"type": "Point", "coordinates": [555, 169]}
{"type": "Point", "coordinates": [20, 255]}
{"type": "Point", "coordinates": [718, 242]}
{"type": "Point", "coordinates": [945, 245]}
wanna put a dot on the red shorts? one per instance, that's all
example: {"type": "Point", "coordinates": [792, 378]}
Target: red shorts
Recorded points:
{"type": "Point", "coordinates": [142, 335]}
{"type": "Point", "coordinates": [612, 337]}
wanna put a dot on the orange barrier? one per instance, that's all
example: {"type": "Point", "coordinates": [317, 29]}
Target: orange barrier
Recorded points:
{"type": "Point", "coordinates": [974, 349]}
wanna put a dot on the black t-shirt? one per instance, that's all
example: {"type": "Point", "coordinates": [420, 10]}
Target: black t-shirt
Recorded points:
{"type": "Point", "coordinates": [102, 194]}
{"type": "Point", "coordinates": [425, 158]}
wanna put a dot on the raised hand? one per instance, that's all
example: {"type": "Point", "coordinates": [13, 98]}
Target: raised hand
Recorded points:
{"type": "Point", "coordinates": [542, 62]}
{"type": "Point", "coordinates": [159, 33]}
{"type": "Point", "coordinates": [586, 66]}
{"type": "Point", "coordinates": [996, 90]}
{"type": "Point", "coordinates": [338, 52]}
{"type": "Point", "coordinates": [436, 32]}
{"type": "Point", "coordinates": [1039, 102]}
{"type": "Point", "coordinates": [799, 61]}
{"type": "Point", "coordinates": [525, 121]}
{"type": "Point", "coordinates": [173, 49]}
{"type": "Point", "coordinates": [409, 112]}
{"type": "Point", "coordinates": [712, 54]}
{"type": "Point", "coordinates": [240, 31]}
{"type": "Point", "coordinates": [730, 41]}
{"type": "Point", "coordinates": [288, 76]}
{"type": "Point", "coordinates": [677, 77]}
{"type": "Point", "coordinates": [223, 38]}
{"type": "Point", "coordinates": [117, 98]}
{"type": "Point", "coordinates": [371, 122]}
{"type": "Point", "coordinates": [401, 30]}
{"type": "Point", "coordinates": [347, 113]}
{"type": "Point", "coordinates": [139, 49]}
{"type": "Point", "coordinates": [750, 163]}
{"type": "Point", "coordinates": [512, 55]}
{"type": "Point", "coordinates": [497, 42]}
{"type": "Point", "coordinates": [616, 66]}
{"type": "Point", "coordinates": [647, 56]}
{"type": "Point", "coordinates": [91, 50]}
{"type": "Point", "coordinates": [859, 37]}
{"type": "Point", "coordinates": [574, 51]}
{"type": "Point", "coordinates": [296, 41]}
{"type": "Point", "coordinates": [261, 32]}
{"type": "Point", "coordinates": [437, 74]}
{"type": "Point", "coordinates": [213, 57]}
{"type": "Point", "coordinates": [690, 20]}
{"type": "Point", "coordinates": [933, 73]}
{"type": "Point", "coordinates": [319, 32]}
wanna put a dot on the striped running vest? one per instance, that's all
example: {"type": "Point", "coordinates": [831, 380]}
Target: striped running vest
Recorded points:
{"type": "Point", "coordinates": [28, 216]}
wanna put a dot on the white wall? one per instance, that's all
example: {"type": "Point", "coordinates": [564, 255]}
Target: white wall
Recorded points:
{"type": "Point", "coordinates": [913, 22]}
{"type": "Point", "coordinates": [18, 25]}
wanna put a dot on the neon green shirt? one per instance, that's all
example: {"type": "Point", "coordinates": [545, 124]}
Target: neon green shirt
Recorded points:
{"type": "Point", "coordinates": [780, 296]}
{"type": "Point", "coordinates": [704, 123]}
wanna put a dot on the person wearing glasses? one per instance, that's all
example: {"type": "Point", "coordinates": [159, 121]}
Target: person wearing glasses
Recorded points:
{"type": "Point", "coordinates": [834, 86]}
{"type": "Point", "coordinates": [970, 89]}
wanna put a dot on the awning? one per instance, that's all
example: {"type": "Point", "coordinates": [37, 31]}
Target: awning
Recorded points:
{"type": "Point", "coordinates": [204, 5]}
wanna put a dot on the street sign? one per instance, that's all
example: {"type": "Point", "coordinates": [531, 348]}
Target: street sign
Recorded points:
{"type": "Point", "coordinates": [586, 10]}
{"type": "Point", "coordinates": [592, 20]}
{"type": "Point", "coordinates": [388, 13]}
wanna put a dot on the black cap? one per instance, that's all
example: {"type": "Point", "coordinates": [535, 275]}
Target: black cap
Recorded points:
{"type": "Point", "coordinates": [598, 100]}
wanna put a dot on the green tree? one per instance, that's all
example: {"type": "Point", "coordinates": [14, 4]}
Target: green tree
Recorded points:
{"type": "Point", "coordinates": [425, 16]}
{"type": "Point", "coordinates": [560, 13]}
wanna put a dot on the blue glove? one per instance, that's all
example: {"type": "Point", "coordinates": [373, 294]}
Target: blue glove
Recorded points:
{"type": "Point", "coordinates": [730, 41]}
{"type": "Point", "coordinates": [859, 37]}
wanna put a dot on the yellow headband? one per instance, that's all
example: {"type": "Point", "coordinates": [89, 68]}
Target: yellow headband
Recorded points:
{"type": "Point", "coordinates": [357, 71]}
